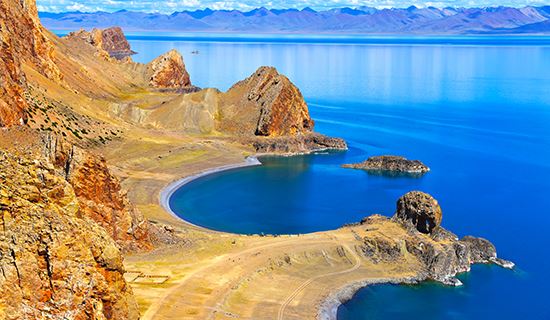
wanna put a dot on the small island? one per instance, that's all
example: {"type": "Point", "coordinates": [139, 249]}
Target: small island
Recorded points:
{"type": "Point", "coordinates": [392, 164]}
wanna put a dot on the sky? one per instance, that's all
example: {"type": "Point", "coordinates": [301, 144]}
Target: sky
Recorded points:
{"type": "Point", "coordinates": [169, 6]}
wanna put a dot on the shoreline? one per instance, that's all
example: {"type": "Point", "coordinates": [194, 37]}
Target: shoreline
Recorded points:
{"type": "Point", "coordinates": [170, 189]}
{"type": "Point", "coordinates": [328, 308]}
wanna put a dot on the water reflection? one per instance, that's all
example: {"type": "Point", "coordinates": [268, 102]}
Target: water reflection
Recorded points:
{"type": "Point", "coordinates": [375, 73]}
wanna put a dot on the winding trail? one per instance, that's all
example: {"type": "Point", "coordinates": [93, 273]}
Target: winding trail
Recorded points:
{"type": "Point", "coordinates": [293, 295]}
{"type": "Point", "coordinates": [163, 305]}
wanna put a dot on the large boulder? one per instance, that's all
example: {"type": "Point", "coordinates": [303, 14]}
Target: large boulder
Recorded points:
{"type": "Point", "coordinates": [265, 104]}
{"type": "Point", "coordinates": [419, 210]}
{"type": "Point", "coordinates": [168, 72]}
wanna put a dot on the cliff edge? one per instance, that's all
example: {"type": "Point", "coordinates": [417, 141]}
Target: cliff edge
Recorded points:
{"type": "Point", "coordinates": [55, 261]}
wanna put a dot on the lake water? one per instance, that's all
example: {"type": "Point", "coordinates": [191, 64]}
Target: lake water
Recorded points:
{"type": "Point", "coordinates": [478, 115]}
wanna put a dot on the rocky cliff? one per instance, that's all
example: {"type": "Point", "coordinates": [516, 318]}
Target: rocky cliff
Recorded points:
{"type": "Point", "coordinates": [168, 72]}
{"type": "Point", "coordinates": [55, 262]}
{"type": "Point", "coordinates": [100, 194]}
{"type": "Point", "coordinates": [111, 40]}
{"type": "Point", "coordinates": [23, 41]}
{"type": "Point", "coordinates": [265, 104]}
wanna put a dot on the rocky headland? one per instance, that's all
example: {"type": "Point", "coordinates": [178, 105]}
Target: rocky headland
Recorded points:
{"type": "Point", "coordinates": [110, 42]}
{"type": "Point", "coordinates": [390, 164]}
{"type": "Point", "coordinates": [441, 254]}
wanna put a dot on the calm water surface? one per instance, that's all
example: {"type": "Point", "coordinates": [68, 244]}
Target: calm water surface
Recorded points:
{"type": "Point", "coordinates": [478, 115]}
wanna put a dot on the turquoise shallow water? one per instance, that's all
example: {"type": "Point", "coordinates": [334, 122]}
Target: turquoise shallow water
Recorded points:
{"type": "Point", "coordinates": [477, 114]}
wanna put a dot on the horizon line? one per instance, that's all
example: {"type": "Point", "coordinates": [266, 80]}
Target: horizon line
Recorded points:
{"type": "Point", "coordinates": [307, 8]}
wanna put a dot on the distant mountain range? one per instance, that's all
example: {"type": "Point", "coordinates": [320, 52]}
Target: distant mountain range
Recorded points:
{"type": "Point", "coordinates": [412, 20]}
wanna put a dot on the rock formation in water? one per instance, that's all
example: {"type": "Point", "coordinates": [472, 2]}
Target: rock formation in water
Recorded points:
{"type": "Point", "coordinates": [296, 144]}
{"type": "Point", "coordinates": [441, 254]}
{"type": "Point", "coordinates": [168, 72]}
{"type": "Point", "coordinates": [55, 262]}
{"type": "Point", "coordinates": [266, 104]}
{"type": "Point", "coordinates": [391, 164]}
{"type": "Point", "coordinates": [111, 40]}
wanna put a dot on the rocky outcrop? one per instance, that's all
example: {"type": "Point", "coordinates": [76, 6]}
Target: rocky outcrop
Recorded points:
{"type": "Point", "coordinates": [391, 164]}
{"type": "Point", "coordinates": [296, 144]}
{"type": "Point", "coordinates": [111, 40]}
{"type": "Point", "coordinates": [265, 104]}
{"type": "Point", "coordinates": [168, 72]}
{"type": "Point", "coordinates": [12, 101]}
{"type": "Point", "coordinates": [55, 263]}
{"type": "Point", "coordinates": [100, 194]}
{"type": "Point", "coordinates": [420, 211]}
{"type": "Point", "coordinates": [22, 41]}
{"type": "Point", "coordinates": [440, 253]}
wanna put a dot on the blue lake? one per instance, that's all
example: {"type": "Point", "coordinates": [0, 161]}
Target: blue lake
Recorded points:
{"type": "Point", "coordinates": [476, 110]}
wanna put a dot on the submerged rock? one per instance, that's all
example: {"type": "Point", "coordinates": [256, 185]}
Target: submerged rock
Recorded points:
{"type": "Point", "coordinates": [390, 164]}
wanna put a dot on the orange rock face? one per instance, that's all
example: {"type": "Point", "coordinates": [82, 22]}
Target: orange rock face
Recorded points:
{"type": "Point", "coordinates": [102, 199]}
{"type": "Point", "coordinates": [55, 263]}
{"type": "Point", "coordinates": [266, 104]}
{"type": "Point", "coordinates": [112, 40]}
{"type": "Point", "coordinates": [168, 72]}
{"type": "Point", "coordinates": [22, 40]}
{"type": "Point", "coordinates": [100, 195]}
{"type": "Point", "coordinates": [12, 102]}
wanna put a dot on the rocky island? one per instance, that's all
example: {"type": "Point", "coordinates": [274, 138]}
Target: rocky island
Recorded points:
{"type": "Point", "coordinates": [88, 143]}
{"type": "Point", "coordinates": [392, 164]}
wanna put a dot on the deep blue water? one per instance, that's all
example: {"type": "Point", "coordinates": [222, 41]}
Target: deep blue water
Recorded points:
{"type": "Point", "coordinates": [478, 115]}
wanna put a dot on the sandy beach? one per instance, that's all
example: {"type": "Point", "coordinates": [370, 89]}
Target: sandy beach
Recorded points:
{"type": "Point", "coordinates": [167, 192]}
